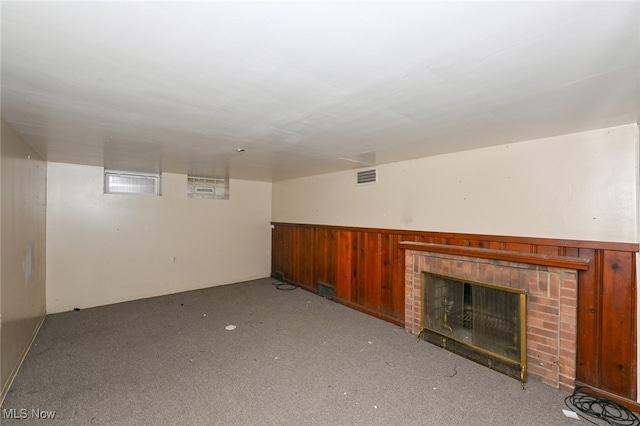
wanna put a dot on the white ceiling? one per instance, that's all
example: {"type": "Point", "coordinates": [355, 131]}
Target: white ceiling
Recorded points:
{"type": "Point", "coordinates": [309, 87]}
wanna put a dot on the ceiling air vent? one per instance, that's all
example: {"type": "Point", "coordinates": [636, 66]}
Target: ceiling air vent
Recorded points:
{"type": "Point", "coordinates": [367, 176]}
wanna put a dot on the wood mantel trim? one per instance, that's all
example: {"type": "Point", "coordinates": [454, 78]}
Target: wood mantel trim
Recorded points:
{"type": "Point", "coordinates": [598, 245]}
{"type": "Point", "coordinates": [568, 262]}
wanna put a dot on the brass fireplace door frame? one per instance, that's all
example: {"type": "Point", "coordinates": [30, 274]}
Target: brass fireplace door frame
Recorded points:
{"type": "Point", "coordinates": [493, 360]}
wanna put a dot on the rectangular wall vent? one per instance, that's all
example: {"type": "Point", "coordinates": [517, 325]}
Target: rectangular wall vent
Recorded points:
{"type": "Point", "coordinates": [116, 182]}
{"type": "Point", "coordinates": [367, 176]}
{"type": "Point", "coordinates": [325, 290]}
{"type": "Point", "coordinates": [210, 188]}
{"type": "Point", "coordinates": [203, 190]}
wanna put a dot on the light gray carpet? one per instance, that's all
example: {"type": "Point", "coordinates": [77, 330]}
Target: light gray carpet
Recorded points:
{"type": "Point", "coordinates": [294, 359]}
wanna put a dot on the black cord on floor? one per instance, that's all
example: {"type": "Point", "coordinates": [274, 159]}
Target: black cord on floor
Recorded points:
{"type": "Point", "coordinates": [590, 404]}
{"type": "Point", "coordinates": [284, 286]}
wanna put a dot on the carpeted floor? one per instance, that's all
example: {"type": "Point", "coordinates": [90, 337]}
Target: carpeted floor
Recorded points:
{"type": "Point", "coordinates": [294, 358]}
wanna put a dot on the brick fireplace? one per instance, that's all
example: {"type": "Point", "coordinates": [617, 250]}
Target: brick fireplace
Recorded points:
{"type": "Point", "coordinates": [551, 302]}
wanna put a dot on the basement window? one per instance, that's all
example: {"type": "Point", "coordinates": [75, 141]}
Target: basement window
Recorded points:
{"type": "Point", "coordinates": [118, 182]}
{"type": "Point", "coordinates": [207, 188]}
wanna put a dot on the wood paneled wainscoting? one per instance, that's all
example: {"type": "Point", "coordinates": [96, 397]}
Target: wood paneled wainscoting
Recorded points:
{"type": "Point", "coordinates": [366, 268]}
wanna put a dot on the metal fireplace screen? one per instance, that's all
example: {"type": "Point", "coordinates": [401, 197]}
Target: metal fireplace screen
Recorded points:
{"type": "Point", "coordinates": [479, 321]}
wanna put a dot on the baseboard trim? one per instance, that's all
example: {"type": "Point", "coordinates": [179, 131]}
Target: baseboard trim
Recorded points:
{"type": "Point", "coordinates": [626, 402]}
{"type": "Point", "coordinates": [371, 312]}
{"type": "Point", "coordinates": [16, 368]}
{"type": "Point", "coordinates": [348, 304]}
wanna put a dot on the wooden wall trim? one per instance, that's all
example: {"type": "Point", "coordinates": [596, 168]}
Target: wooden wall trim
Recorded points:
{"type": "Point", "coordinates": [568, 262]}
{"type": "Point", "coordinates": [631, 404]}
{"type": "Point", "coordinates": [601, 245]}
{"type": "Point", "coordinates": [371, 312]}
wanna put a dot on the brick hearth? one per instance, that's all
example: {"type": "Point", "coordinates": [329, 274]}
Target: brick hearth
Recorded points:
{"type": "Point", "coordinates": [551, 306]}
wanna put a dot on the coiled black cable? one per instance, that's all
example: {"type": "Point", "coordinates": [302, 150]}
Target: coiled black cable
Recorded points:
{"type": "Point", "coordinates": [284, 286]}
{"type": "Point", "coordinates": [592, 405]}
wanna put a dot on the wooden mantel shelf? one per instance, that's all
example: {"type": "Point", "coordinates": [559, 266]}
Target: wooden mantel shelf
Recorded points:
{"type": "Point", "coordinates": [567, 262]}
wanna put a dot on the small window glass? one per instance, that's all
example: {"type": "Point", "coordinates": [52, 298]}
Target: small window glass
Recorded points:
{"type": "Point", "coordinates": [116, 182]}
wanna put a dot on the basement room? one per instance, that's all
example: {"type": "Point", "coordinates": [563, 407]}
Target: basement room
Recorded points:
{"type": "Point", "coordinates": [319, 212]}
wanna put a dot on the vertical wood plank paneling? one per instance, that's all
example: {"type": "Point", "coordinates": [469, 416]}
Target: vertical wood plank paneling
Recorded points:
{"type": "Point", "coordinates": [386, 274]}
{"type": "Point", "coordinates": [325, 251]}
{"type": "Point", "coordinates": [320, 255]}
{"type": "Point", "coordinates": [361, 270]}
{"type": "Point", "coordinates": [297, 262]}
{"type": "Point", "coordinates": [589, 317]}
{"type": "Point", "coordinates": [393, 277]}
{"type": "Point", "coordinates": [398, 265]}
{"type": "Point", "coordinates": [457, 242]}
{"type": "Point", "coordinates": [496, 245]}
{"type": "Point", "coordinates": [618, 324]}
{"type": "Point", "coordinates": [287, 248]}
{"type": "Point", "coordinates": [296, 243]}
{"type": "Point", "coordinates": [525, 248]}
{"type": "Point", "coordinates": [421, 238]}
{"type": "Point", "coordinates": [571, 251]}
{"type": "Point", "coordinates": [552, 250]}
{"type": "Point", "coordinates": [276, 252]}
{"type": "Point", "coordinates": [358, 269]}
{"type": "Point", "coordinates": [308, 259]}
{"type": "Point", "coordinates": [476, 243]}
{"type": "Point", "coordinates": [436, 239]}
{"type": "Point", "coordinates": [344, 268]}
{"type": "Point", "coordinates": [372, 278]}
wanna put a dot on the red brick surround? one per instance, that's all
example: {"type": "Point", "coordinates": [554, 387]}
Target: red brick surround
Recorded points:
{"type": "Point", "coordinates": [552, 296]}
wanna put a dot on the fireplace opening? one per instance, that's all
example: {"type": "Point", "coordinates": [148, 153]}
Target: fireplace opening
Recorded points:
{"type": "Point", "coordinates": [483, 322]}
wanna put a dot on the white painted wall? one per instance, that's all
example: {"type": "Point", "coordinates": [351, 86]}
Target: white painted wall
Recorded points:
{"type": "Point", "coordinates": [578, 186]}
{"type": "Point", "coordinates": [106, 248]}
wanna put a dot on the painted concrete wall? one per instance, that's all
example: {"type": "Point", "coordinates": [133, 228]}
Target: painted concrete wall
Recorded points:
{"type": "Point", "coordinates": [107, 248]}
{"type": "Point", "coordinates": [577, 186]}
{"type": "Point", "coordinates": [22, 259]}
